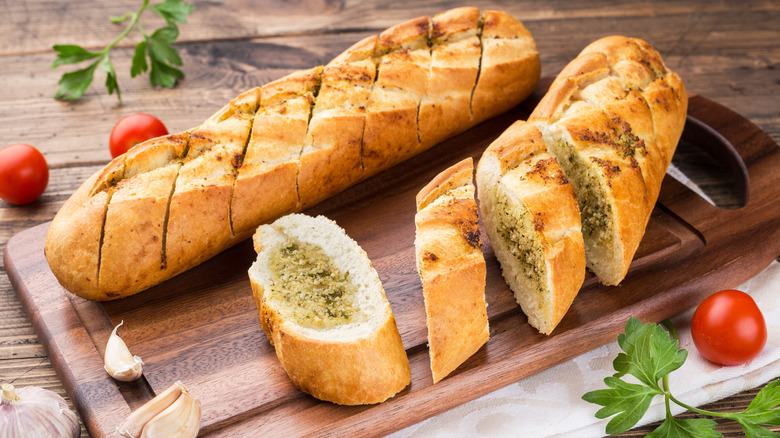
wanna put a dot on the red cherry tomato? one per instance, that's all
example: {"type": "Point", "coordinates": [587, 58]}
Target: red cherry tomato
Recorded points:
{"type": "Point", "coordinates": [24, 174]}
{"type": "Point", "coordinates": [728, 328]}
{"type": "Point", "coordinates": [133, 129]}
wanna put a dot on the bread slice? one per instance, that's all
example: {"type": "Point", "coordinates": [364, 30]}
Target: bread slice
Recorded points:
{"type": "Point", "coordinates": [613, 118]}
{"type": "Point", "coordinates": [452, 268]}
{"type": "Point", "coordinates": [323, 308]}
{"type": "Point", "coordinates": [531, 216]}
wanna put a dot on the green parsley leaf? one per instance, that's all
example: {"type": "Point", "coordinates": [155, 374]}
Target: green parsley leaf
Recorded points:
{"type": "Point", "coordinates": [173, 10]}
{"type": "Point", "coordinates": [75, 83]}
{"type": "Point", "coordinates": [693, 428]}
{"type": "Point", "coordinates": [111, 82]}
{"type": "Point", "coordinates": [650, 354]}
{"type": "Point", "coordinates": [164, 75]}
{"type": "Point", "coordinates": [139, 65]}
{"type": "Point", "coordinates": [158, 47]}
{"type": "Point", "coordinates": [72, 54]}
{"type": "Point", "coordinates": [755, 431]}
{"type": "Point", "coordinates": [628, 400]}
{"type": "Point", "coordinates": [761, 409]}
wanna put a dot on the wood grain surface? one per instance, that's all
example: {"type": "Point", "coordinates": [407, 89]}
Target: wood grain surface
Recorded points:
{"type": "Point", "coordinates": [726, 51]}
{"type": "Point", "coordinates": [202, 326]}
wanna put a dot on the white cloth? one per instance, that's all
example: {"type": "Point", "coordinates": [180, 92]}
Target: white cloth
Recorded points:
{"type": "Point", "coordinates": [550, 404]}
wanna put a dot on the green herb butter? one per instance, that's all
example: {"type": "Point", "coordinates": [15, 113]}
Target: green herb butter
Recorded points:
{"type": "Point", "coordinates": [515, 226]}
{"type": "Point", "coordinates": [309, 288]}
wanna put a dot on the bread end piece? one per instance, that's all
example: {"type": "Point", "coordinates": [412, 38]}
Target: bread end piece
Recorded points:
{"type": "Point", "coordinates": [531, 216]}
{"type": "Point", "coordinates": [346, 358]}
{"type": "Point", "coordinates": [452, 268]}
{"type": "Point", "coordinates": [613, 118]}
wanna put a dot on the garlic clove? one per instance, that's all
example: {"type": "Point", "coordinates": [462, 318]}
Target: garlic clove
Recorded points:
{"type": "Point", "coordinates": [35, 412]}
{"type": "Point", "coordinates": [119, 362]}
{"type": "Point", "coordinates": [179, 420]}
{"type": "Point", "coordinates": [132, 426]}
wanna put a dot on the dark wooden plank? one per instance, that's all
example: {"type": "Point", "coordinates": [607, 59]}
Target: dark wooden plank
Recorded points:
{"type": "Point", "coordinates": [46, 23]}
{"type": "Point", "coordinates": [201, 327]}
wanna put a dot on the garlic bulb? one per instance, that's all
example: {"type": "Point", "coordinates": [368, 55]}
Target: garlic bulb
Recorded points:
{"type": "Point", "coordinates": [35, 413]}
{"type": "Point", "coordinates": [174, 413]}
{"type": "Point", "coordinates": [119, 363]}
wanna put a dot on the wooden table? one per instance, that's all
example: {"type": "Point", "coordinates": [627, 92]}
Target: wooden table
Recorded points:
{"type": "Point", "coordinates": [728, 52]}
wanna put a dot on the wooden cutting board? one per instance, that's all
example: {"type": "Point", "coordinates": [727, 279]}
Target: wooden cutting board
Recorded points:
{"type": "Point", "coordinates": [202, 327]}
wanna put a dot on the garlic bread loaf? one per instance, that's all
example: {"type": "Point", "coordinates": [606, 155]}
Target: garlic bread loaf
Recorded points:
{"type": "Point", "coordinates": [173, 202]}
{"type": "Point", "coordinates": [612, 118]}
{"type": "Point", "coordinates": [531, 217]}
{"type": "Point", "coordinates": [452, 268]}
{"type": "Point", "coordinates": [323, 308]}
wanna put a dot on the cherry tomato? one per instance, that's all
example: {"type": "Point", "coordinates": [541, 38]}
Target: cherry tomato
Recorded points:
{"type": "Point", "coordinates": [133, 129]}
{"type": "Point", "coordinates": [24, 174]}
{"type": "Point", "coordinates": [728, 328]}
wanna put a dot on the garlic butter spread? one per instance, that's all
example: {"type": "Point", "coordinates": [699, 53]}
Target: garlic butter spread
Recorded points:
{"type": "Point", "coordinates": [515, 226]}
{"type": "Point", "coordinates": [308, 288]}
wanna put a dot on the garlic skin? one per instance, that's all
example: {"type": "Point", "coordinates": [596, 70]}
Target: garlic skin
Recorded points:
{"type": "Point", "coordinates": [35, 413]}
{"type": "Point", "coordinates": [119, 362]}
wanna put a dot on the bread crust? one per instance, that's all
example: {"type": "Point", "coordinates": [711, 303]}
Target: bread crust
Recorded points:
{"type": "Point", "coordinates": [618, 112]}
{"type": "Point", "coordinates": [518, 164]}
{"type": "Point", "coordinates": [361, 370]}
{"type": "Point", "coordinates": [452, 268]}
{"type": "Point", "coordinates": [294, 142]}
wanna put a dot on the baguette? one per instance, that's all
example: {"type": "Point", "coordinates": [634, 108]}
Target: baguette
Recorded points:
{"type": "Point", "coordinates": [323, 308]}
{"type": "Point", "coordinates": [452, 268]}
{"type": "Point", "coordinates": [531, 217]}
{"type": "Point", "coordinates": [612, 118]}
{"type": "Point", "coordinates": [173, 202]}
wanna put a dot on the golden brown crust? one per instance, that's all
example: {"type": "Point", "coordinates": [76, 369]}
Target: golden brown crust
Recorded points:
{"type": "Point", "coordinates": [452, 268]}
{"type": "Point", "coordinates": [457, 175]}
{"type": "Point", "coordinates": [73, 241]}
{"type": "Point", "coordinates": [331, 157]}
{"type": "Point", "coordinates": [391, 132]}
{"type": "Point", "coordinates": [445, 108]}
{"type": "Point", "coordinates": [365, 371]}
{"type": "Point", "coordinates": [365, 48]}
{"type": "Point", "coordinates": [619, 112]}
{"type": "Point", "coordinates": [518, 166]}
{"type": "Point", "coordinates": [510, 66]}
{"type": "Point", "coordinates": [300, 139]}
{"type": "Point", "coordinates": [133, 231]}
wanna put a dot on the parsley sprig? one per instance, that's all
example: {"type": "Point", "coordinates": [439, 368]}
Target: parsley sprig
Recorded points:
{"type": "Point", "coordinates": [157, 47]}
{"type": "Point", "coordinates": [650, 354]}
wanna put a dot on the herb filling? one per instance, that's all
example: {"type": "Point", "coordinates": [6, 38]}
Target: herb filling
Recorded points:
{"type": "Point", "coordinates": [308, 287]}
{"type": "Point", "coordinates": [515, 226]}
{"type": "Point", "coordinates": [596, 214]}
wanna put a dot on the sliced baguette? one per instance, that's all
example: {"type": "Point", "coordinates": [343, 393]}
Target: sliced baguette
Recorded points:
{"type": "Point", "coordinates": [531, 217]}
{"type": "Point", "coordinates": [452, 268]}
{"type": "Point", "coordinates": [323, 308]}
{"type": "Point", "coordinates": [286, 146]}
{"type": "Point", "coordinates": [613, 118]}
